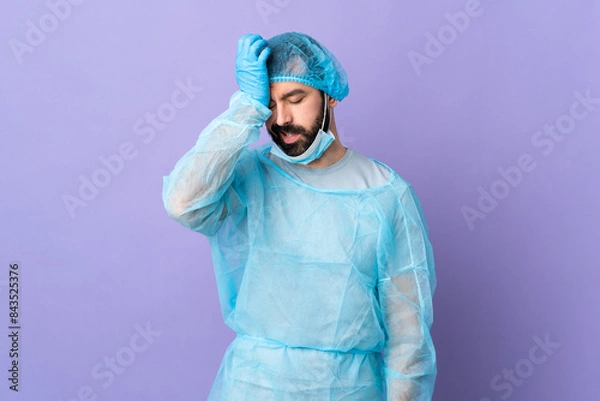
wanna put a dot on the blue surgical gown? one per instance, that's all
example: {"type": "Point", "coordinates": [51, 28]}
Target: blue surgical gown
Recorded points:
{"type": "Point", "coordinates": [328, 290]}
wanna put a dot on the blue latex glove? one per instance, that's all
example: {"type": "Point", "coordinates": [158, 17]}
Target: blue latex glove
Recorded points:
{"type": "Point", "coordinates": [251, 67]}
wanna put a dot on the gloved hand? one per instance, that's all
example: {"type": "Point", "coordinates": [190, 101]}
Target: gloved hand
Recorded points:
{"type": "Point", "coordinates": [251, 67]}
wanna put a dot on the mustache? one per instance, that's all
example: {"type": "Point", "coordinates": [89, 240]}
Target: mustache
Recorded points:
{"type": "Point", "coordinates": [290, 129]}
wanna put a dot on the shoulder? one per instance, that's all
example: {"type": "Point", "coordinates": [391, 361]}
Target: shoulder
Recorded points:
{"type": "Point", "coordinates": [399, 197]}
{"type": "Point", "coordinates": [382, 172]}
{"type": "Point", "coordinates": [373, 172]}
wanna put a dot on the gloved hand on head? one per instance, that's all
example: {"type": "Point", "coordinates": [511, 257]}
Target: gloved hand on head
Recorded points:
{"type": "Point", "coordinates": [251, 67]}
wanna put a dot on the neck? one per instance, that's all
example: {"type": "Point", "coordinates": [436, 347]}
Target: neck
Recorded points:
{"type": "Point", "coordinates": [334, 152]}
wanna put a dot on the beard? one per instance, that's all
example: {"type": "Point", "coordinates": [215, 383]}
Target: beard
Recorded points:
{"type": "Point", "coordinates": [306, 138]}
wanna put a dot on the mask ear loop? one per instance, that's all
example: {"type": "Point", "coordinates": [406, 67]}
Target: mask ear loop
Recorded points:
{"type": "Point", "coordinates": [325, 110]}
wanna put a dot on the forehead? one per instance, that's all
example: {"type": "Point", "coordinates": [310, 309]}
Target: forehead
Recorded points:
{"type": "Point", "coordinates": [281, 89]}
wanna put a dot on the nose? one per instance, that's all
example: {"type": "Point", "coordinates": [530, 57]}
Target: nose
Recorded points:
{"type": "Point", "coordinates": [282, 115]}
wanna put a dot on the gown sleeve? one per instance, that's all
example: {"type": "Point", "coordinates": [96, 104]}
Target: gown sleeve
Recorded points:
{"type": "Point", "coordinates": [406, 286]}
{"type": "Point", "coordinates": [198, 192]}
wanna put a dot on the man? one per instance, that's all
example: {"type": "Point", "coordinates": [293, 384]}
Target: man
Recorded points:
{"type": "Point", "coordinates": [321, 255]}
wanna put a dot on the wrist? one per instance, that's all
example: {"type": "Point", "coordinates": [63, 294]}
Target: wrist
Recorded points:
{"type": "Point", "coordinates": [263, 112]}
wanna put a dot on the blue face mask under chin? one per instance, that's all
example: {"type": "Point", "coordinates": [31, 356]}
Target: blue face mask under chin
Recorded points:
{"type": "Point", "coordinates": [315, 150]}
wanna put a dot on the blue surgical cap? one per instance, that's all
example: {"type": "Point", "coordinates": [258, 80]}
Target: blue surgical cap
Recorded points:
{"type": "Point", "coordinates": [299, 58]}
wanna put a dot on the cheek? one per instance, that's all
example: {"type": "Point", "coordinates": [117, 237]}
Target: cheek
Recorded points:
{"type": "Point", "coordinates": [307, 118]}
{"type": "Point", "coordinates": [312, 110]}
{"type": "Point", "coordinates": [269, 122]}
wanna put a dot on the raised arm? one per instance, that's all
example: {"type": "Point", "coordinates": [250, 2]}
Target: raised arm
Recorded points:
{"type": "Point", "coordinates": [195, 193]}
{"type": "Point", "coordinates": [406, 288]}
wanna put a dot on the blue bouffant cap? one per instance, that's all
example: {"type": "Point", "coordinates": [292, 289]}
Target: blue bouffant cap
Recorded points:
{"type": "Point", "coordinates": [299, 58]}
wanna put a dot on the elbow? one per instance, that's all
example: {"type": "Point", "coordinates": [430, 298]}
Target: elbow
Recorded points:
{"type": "Point", "coordinates": [175, 208]}
{"type": "Point", "coordinates": [178, 212]}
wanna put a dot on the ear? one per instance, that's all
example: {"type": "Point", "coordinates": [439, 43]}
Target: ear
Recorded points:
{"type": "Point", "coordinates": [332, 102]}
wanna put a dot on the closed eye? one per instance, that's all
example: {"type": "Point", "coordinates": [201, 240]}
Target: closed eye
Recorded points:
{"type": "Point", "coordinates": [272, 104]}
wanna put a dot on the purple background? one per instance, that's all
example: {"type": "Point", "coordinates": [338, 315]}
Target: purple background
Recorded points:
{"type": "Point", "coordinates": [447, 126]}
